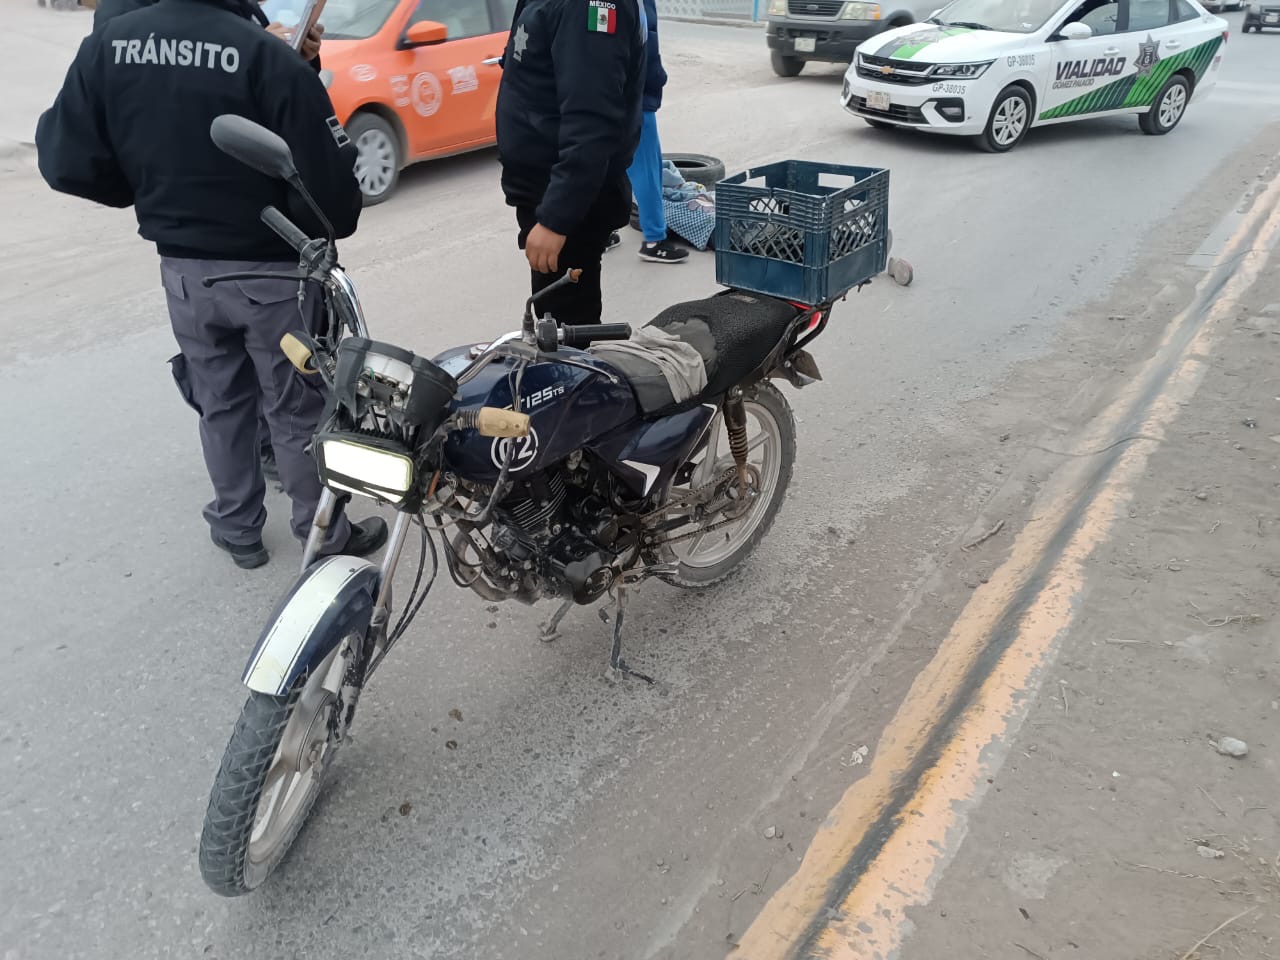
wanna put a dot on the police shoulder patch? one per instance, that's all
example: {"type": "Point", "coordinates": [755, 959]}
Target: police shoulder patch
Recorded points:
{"type": "Point", "coordinates": [339, 135]}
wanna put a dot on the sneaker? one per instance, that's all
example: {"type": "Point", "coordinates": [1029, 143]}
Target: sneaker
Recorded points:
{"type": "Point", "coordinates": [366, 537]}
{"type": "Point", "coordinates": [664, 252]}
{"type": "Point", "coordinates": [247, 556]}
{"type": "Point", "coordinates": [613, 242]}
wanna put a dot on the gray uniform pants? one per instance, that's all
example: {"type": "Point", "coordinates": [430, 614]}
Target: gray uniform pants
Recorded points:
{"type": "Point", "coordinates": [230, 368]}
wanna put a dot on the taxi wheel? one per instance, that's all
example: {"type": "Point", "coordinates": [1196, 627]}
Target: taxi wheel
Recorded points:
{"type": "Point", "coordinates": [378, 156]}
{"type": "Point", "coordinates": [1167, 108]}
{"type": "Point", "coordinates": [1009, 121]}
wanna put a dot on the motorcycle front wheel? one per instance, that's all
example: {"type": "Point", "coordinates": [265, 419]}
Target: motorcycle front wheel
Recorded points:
{"type": "Point", "coordinates": [270, 776]}
{"type": "Point", "coordinates": [708, 557]}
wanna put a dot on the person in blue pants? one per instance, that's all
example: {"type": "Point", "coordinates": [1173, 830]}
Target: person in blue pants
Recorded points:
{"type": "Point", "coordinates": [645, 172]}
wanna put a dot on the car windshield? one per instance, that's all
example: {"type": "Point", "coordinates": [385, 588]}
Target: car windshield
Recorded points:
{"type": "Point", "coordinates": [1007, 16]}
{"type": "Point", "coordinates": [355, 19]}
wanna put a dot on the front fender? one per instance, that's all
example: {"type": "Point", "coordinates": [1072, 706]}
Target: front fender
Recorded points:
{"type": "Point", "coordinates": [331, 600]}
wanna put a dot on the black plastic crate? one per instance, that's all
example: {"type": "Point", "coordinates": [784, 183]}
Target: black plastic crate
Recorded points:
{"type": "Point", "coordinates": [802, 231]}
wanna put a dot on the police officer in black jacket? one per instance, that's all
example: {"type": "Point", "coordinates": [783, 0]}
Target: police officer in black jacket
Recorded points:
{"type": "Point", "coordinates": [310, 49]}
{"type": "Point", "coordinates": [568, 121]}
{"type": "Point", "coordinates": [131, 128]}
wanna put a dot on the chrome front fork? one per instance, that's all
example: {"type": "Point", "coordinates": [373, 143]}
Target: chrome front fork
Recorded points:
{"type": "Point", "coordinates": [325, 510]}
{"type": "Point", "coordinates": [319, 527]}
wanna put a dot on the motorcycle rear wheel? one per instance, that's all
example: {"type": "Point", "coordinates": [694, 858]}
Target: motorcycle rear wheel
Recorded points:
{"type": "Point", "coordinates": [269, 779]}
{"type": "Point", "coordinates": [709, 558]}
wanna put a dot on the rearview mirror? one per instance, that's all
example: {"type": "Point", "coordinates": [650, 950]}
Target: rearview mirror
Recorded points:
{"type": "Point", "coordinates": [426, 33]}
{"type": "Point", "coordinates": [253, 145]}
{"type": "Point", "coordinates": [1076, 31]}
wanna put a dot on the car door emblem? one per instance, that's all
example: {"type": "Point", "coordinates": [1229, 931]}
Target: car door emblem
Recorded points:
{"type": "Point", "coordinates": [426, 94]}
{"type": "Point", "coordinates": [1148, 56]}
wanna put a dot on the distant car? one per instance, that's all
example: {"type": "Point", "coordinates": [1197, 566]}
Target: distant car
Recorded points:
{"type": "Point", "coordinates": [828, 31]}
{"type": "Point", "coordinates": [1260, 16]}
{"type": "Point", "coordinates": [992, 69]}
{"type": "Point", "coordinates": [413, 79]}
{"type": "Point", "coordinates": [1222, 5]}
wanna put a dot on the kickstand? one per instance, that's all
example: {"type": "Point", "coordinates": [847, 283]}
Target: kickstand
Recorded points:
{"type": "Point", "coordinates": [616, 663]}
{"type": "Point", "coordinates": [550, 629]}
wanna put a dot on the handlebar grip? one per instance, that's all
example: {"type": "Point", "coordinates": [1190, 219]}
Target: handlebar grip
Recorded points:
{"type": "Point", "coordinates": [584, 335]}
{"type": "Point", "coordinates": [284, 228]}
{"type": "Point", "coordinates": [492, 422]}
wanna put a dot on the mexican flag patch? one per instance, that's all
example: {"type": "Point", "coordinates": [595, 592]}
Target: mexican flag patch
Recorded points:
{"type": "Point", "coordinates": [602, 17]}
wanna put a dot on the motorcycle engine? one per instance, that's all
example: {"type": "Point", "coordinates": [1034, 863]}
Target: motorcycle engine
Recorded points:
{"type": "Point", "coordinates": [558, 536]}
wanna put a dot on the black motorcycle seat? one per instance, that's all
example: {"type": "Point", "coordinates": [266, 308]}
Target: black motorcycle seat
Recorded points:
{"type": "Point", "coordinates": [733, 332]}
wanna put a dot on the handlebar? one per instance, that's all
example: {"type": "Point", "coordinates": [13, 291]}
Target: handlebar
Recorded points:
{"type": "Point", "coordinates": [584, 335]}
{"type": "Point", "coordinates": [285, 229]}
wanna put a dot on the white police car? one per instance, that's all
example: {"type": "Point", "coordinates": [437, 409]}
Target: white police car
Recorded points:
{"type": "Point", "coordinates": [992, 69]}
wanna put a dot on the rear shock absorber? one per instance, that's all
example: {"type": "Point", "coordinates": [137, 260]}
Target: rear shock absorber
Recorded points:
{"type": "Point", "coordinates": [735, 420]}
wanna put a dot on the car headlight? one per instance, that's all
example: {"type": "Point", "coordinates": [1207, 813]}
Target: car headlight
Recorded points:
{"type": "Point", "coordinates": [370, 466]}
{"type": "Point", "coordinates": [861, 11]}
{"type": "Point", "coordinates": [777, 8]}
{"type": "Point", "coordinates": [962, 71]}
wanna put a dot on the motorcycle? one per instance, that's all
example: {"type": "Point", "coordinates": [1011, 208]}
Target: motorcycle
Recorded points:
{"type": "Point", "coordinates": [551, 463]}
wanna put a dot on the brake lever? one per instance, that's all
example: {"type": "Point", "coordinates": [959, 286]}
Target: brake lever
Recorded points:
{"type": "Point", "coordinates": [556, 358]}
{"type": "Point", "coordinates": [519, 350]}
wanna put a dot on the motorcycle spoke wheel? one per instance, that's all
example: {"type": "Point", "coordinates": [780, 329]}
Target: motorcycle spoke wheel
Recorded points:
{"type": "Point", "coordinates": [270, 777]}
{"type": "Point", "coordinates": [710, 556]}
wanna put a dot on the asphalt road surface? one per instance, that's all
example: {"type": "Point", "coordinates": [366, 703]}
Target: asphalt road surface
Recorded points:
{"type": "Point", "coordinates": [560, 816]}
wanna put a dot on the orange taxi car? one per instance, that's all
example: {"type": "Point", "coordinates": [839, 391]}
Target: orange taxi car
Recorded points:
{"type": "Point", "coordinates": [413, 79]}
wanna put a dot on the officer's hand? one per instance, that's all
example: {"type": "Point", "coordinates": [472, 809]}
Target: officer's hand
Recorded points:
{"type": "Point", "coordinates": [311, 45]}
{"type": "Point", "coordinates": [543, 249]}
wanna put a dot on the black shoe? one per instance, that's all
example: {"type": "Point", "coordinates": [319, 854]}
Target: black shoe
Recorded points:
{"type": "Point", "coordinates": [366, 537]}
{"type": "Point", "coordinates": [247, 556]}
{"type": "Point", "coordinates": [664, 252]}
{"type": "Point", "coordinates": [269, 468]}
{"type": "Point", "coordinates": [613, 242]}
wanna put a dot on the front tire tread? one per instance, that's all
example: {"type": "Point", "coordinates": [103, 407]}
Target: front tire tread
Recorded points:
{"type": "Point", "coordinates": [237, 788]}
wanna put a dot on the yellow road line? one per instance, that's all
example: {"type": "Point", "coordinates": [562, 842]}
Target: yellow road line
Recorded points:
{"type": "Point", "coordinates": [884, 846]}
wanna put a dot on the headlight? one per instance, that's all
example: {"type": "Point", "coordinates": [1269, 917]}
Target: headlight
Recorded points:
{"type": "Point", "coordinates": [777, 8]}
{"type": "Point", "coordinates": [369, 466]}
{"type": "Point", "coordinates": [962, 71]}
{"type": "Point", "coordinates": [861, 11]}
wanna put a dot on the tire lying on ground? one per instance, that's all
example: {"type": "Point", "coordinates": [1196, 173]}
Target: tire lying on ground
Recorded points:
{"type": "Point", "coordinates": [698, 167]}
